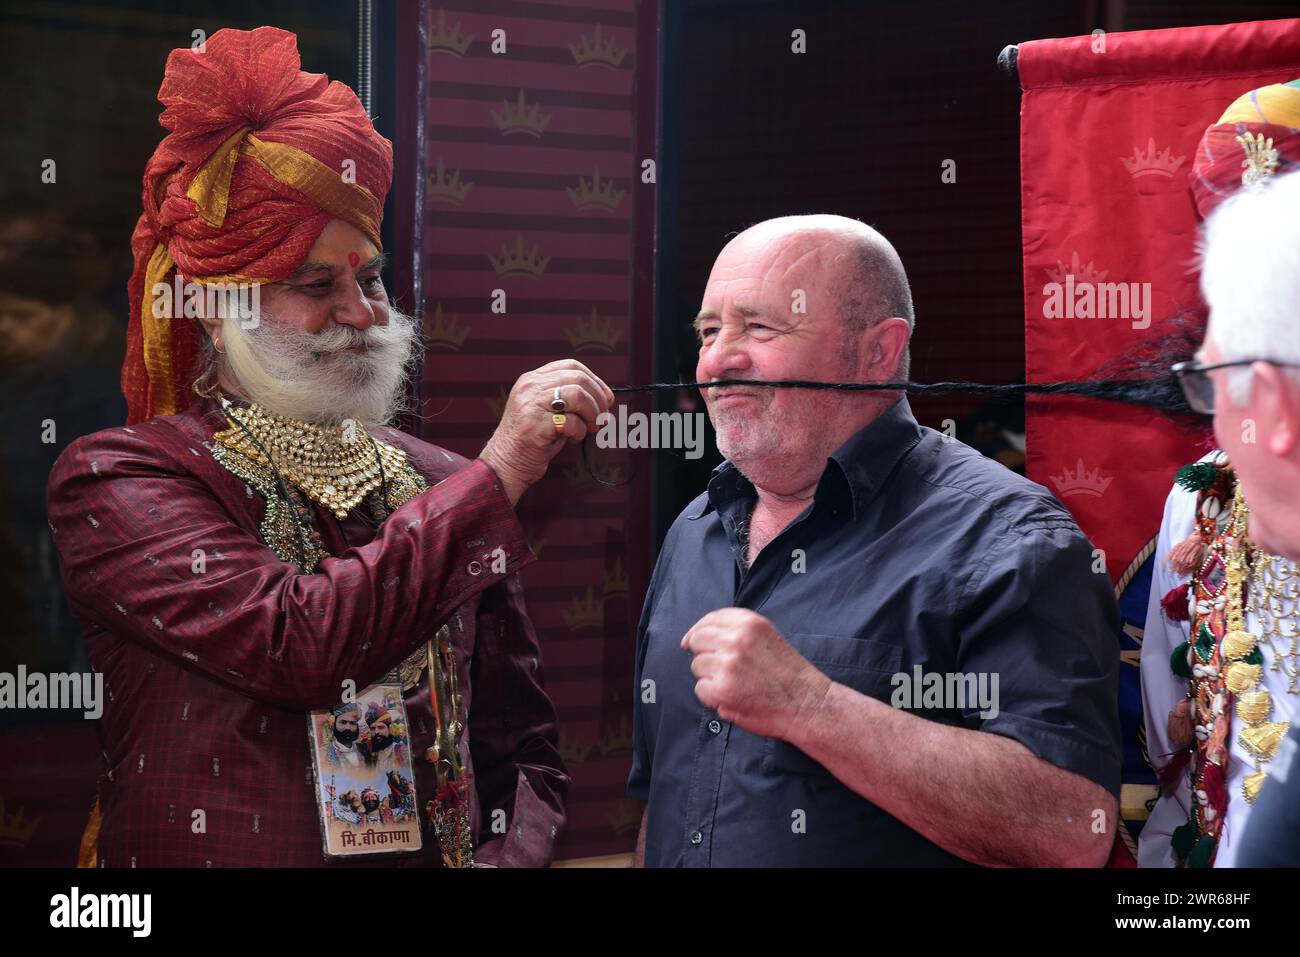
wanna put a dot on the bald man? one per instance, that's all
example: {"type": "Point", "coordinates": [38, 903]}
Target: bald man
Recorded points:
{"type": "Point", "coordinates": [864, 644]}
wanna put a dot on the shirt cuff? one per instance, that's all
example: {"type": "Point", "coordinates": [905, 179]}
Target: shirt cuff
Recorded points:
{"type": "Point", "coordinates": [1091, 760]}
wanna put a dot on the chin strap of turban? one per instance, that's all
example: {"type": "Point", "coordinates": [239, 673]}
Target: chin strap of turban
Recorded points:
{"type": "Point", "coordinates": [260, 157]}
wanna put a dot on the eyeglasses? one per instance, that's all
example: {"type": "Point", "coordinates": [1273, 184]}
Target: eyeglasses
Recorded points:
{"type": "Point", "coordinates": [1198, 386]}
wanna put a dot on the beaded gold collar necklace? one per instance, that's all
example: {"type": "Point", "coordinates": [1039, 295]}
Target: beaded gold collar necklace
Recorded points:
{"type": "Point", "coordinates": [334, 466]}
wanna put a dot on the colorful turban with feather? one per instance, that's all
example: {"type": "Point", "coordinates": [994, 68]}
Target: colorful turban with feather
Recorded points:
{"type": "Point", "coordinates": [1258, 136]}
{"type": "Point", "coordinates": [259, 157]}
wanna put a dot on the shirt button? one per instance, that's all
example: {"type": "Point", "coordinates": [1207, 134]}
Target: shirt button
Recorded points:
{"type": "Point", "coordinates": [715, 726]}
{"type": "Point", "coordinates": [697, 837]}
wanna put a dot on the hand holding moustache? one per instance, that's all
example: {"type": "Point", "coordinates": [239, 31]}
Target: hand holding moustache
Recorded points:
{"type": "Point", "coordinates": [529, 435]}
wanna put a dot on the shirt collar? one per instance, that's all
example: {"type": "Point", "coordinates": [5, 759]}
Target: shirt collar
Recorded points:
{"type": "Point", "coordinates": [870, 455]}
{"type": "Point", "coordinates": [857, 468]}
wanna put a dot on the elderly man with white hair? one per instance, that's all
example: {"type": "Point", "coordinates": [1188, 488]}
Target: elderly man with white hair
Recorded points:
{"type": "Point", "coordinates": [251, 561]}
{"type": "Point", "coordinates": [1220, 658]}
{"type": "Point", "coordinates": [865, 644]}
{"type": "Point", "coordinates": [1251, 280]}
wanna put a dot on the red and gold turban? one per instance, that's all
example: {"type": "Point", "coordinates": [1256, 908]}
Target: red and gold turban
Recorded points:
{"type": "Point", "coordinates": [1242, 143]}
{"type": "Point", "coordinates": [259, 158]}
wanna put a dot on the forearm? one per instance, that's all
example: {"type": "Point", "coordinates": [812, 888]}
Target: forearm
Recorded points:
{"type": "Point", "coordinates": [981, 796]}
{"type": "Point", "coordinates": [244, 616]}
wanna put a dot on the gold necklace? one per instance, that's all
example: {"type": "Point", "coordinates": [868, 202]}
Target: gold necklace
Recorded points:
{"type": "Point", "coordinates": [334, 466]}
{"type": "Point", "coordinates": [1274, 600]}
{"type": "Point", "coordinates": [1242, 661]}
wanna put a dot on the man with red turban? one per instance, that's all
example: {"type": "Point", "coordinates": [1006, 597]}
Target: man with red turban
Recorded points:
{"type": "Point", "coordinates": [256, 545]}
{"type": "Point", "coordinates": [1219, 660]}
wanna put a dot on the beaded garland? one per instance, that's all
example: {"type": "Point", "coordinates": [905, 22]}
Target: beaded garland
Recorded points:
{"type": "Point", "coordinates": [1221, 662]}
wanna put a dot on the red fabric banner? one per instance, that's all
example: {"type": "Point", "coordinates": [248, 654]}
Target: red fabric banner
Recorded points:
{"type": "Point", "coordinates": [1109, 129]}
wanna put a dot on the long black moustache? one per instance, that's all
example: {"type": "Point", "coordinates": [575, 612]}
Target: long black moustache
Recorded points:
{"type": "Point", "coordinates": [1140, 377]}
{"type": "Point", "coordinates": [1162, 394]}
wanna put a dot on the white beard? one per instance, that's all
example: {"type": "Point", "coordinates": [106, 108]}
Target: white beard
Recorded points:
{"type": "Point", "coordinates": [308, 376]}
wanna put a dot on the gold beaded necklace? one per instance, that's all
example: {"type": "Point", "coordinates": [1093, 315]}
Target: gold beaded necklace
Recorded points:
{"type": "Point", "coordinates": [334, 466]}
{"type": "Point", "coordinates": [1241, 660]}
{"type": "Point", "coordinates": [1274, 599]}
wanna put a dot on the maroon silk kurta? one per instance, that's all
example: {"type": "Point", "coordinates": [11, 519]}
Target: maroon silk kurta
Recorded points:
{"type": "Point", "coordinates": [209, 673]}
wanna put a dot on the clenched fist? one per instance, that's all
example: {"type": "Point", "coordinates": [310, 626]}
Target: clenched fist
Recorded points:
{"type": "Point", "coordinates": [525, 441]}
{"type": "Point", "coordinates": [747, 672]}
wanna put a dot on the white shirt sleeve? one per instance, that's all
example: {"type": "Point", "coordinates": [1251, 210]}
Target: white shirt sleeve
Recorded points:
{"type": "Point", "coordinates": [1161, 688]}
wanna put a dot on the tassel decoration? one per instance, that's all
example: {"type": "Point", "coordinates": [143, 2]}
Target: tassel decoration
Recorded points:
{"type": "Point", "coordinates": [1187, 555]}
{"type": "Point", "coordinates": [1174, 604]}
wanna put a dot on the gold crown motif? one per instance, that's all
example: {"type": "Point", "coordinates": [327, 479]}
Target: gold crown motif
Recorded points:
{"type": "Point", "coordinates": [594, 192]}
{"type": "Point", "coordinates": [571, 751]}
{"type": "Point", "coordinates": [520, 117]}
{"type": "Point", "coordinates": [1261, 159]}
{"type": "Point", "coordinates": [445, 333]}
{"type": "Point", "coordinates": [615, 580]}
{"type": "Point", "coordinates": [588, 613]}
{"type": "Point", "coordinates": [597, 52]}
{"type": "Point", "coordinates": [1080, 272]}
{"type": "Point", "coordinates": [618, 739]}
{"type": "Point", "coordinates": [1152, 163]}
{"type": "Point", "coordinates": [594, 334]}
{"type": "Point", "coordinates": [451, 42]}
{"type": "Point", "coordinates": [1081, 482]}
{"type": "Point", "coordinates": [517, 262]}
{"type": "Point", "coordinates": [15, 829]}
{"type": "Point", "coordinates": [449, 189]}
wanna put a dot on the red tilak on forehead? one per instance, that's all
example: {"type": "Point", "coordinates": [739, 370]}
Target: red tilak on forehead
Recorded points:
{"type": "Point", "coordinates": [354, 259]}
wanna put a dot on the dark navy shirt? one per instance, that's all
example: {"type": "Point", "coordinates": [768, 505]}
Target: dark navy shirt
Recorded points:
{"type": "Point", "coordinates": [916, 551]}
